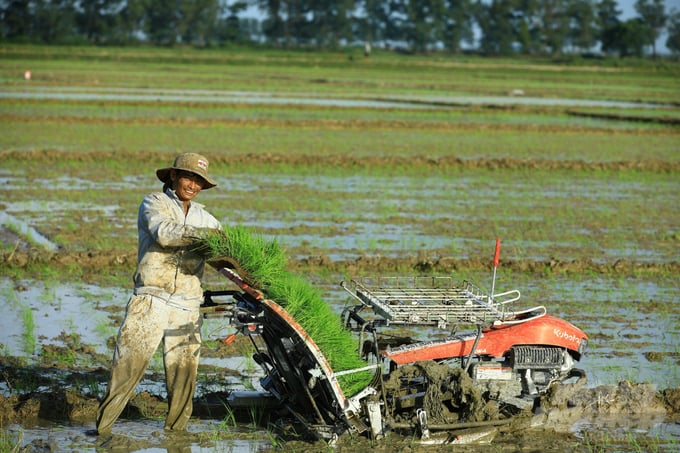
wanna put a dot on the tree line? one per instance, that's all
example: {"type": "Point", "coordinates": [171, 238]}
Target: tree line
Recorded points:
{"type": "Point", "coordinates": [489, 27]}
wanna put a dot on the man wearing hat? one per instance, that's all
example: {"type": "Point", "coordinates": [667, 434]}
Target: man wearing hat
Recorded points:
{"type": "Point", "coordinates": [167, 294]}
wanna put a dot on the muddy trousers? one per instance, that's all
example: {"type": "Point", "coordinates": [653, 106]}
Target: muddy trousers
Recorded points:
{"type": "Point", "coordinates": [148, 321]}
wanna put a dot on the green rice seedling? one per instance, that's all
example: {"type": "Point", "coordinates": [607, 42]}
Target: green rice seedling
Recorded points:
{"type": "Point", "coordinates": [89, 386]}
{"type": "Point", "coordinates": [229, 420]}
{"type": "Point", "coordinates": [274, 441]}
{"type": "Point", "coordinates": [596, 442]}
{"type": "Point", "coordinates": [58, 356]}
{"type": "Point", "coordinates": [262, 260]}
{"type": "Point", "coordinates": [264, 265]}
{"type": "Point", "coordinates": [634, 443]}
{"type": "Point", "coordinates": [104, 329]}
{"type": "Point", "coordinates": [28, 334]}
{"type": "Point", "coordinates": [11, 296]}
{"type": "Point", "coordinates": [246, 350]}
{"type": "Point", "coordinates": [94, 387]}
{"type": "Point", "coordinates": [10, 441]}
{"type": "Point", "coordinates": [157, 361]}
{"type": "Point", "coordinates": [255, 417]}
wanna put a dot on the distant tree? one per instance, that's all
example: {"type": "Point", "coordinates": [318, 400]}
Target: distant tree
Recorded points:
{"type": "Point", "coordinates": [130, 21]}
{"type": "Point", "coordinates": [16, 19]}
{"type": "Point", "coordinates": [630, 38]}
{"type": "Point", "coordinates": [197, 20]}
{"type": "Point", "coordinates": [553, 17]}
{"type": "Point", "coordinates": [97, 19]}
{"type": "Point", "coordinates": [609, 24]}
{"type": "Point", "coordinates": [330, 22]}
{"type": "Point", "coordinates": [673, 41]}
{"type": "Point", "coordinates": [371, 22]}
{"type": "Point", "coordinates": [457, 25]}
{"type": "Point", "coordinates": [528, 26]}
{"type": "Point", "coordinates": [496, 23]}
{"type": "Point", "coordinates": [423, 24]}
{"type": "Point", "coordinates": [273, 26]}
{"type": "Point", "coordinates": [287, 21]}
{"type": "Point", "coordinates": [299, 30]}
{"type": "Point", "coordinates": [654, 16]}
{"type": "Point", "coordinates": [54, 21]}
{"type": "Point", "coordinates": [161, 22]}
{"type": "Point", "coordinates": [231, 28]}
{"type": "Point", "coordinates": [582, 24]}
{"type": "Point", "coordinates": [386, 19]}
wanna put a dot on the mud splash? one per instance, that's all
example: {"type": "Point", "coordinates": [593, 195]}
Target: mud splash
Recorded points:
{"type": "Point", "coordinates": [453, 400]}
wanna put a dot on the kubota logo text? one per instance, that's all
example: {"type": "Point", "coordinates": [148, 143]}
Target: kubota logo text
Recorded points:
{"type": "Point", "coordinates": [566, 336]}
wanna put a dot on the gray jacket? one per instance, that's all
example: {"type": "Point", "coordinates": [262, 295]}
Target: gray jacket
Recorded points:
{"type": "Point", "coordinates": [166, 266]}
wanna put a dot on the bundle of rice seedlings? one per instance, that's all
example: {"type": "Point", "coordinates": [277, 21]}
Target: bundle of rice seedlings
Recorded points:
{"type": "Point", "coordinates": [264, 264]}
{"type": "Point", "coordinates": [262, 261]}
{"type": "Point", "coordinates": [306, 305]}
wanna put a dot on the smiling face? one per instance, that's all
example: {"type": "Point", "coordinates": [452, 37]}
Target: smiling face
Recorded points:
{"type": "Point", "coordinates": [186, 184]}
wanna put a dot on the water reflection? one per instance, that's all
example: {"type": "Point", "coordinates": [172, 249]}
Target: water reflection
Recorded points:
{"type": "Point", "coordinates": [265, 97]}
{"type": "Point", "coordinates": [625, 319]}
{"type": "Point", "coordinates": [142, 435]}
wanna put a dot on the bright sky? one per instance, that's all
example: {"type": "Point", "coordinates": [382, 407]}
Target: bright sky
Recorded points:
{"type": "Point", "coordinates": [627, 7]}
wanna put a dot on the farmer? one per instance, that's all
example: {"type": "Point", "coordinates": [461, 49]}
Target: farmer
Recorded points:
{"type": "Point", "coordinates": [167, 294]}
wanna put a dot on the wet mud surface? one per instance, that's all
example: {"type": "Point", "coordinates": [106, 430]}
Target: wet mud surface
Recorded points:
{"type": "Point", "coordinates": [567, 416]}
{"type": "Point", "coordinates": [61, 386]}
{"type": "Point", "coordinates": [66, 395]}
{"type": "Point", "coordinates": [476, 421]}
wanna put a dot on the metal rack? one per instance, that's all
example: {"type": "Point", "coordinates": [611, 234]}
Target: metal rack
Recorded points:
{"type": "Point", "coordinates": [435, 301]}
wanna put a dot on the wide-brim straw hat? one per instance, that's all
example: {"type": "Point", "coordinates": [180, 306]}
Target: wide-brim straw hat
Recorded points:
{"type": "Point", "coordinates": [191, 162]}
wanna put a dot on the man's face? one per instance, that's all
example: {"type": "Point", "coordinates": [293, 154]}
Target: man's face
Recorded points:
{"type": "Point", "coordinates": [186, 184]}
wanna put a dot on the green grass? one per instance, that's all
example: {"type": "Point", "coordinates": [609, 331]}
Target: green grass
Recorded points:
{"type": "Point", "coordinates": [474, 137]}
{"type": "Point", "coordinates": [335, 73]}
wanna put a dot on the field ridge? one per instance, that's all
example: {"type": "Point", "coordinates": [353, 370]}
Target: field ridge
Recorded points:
{"type": "Point", "coordinates": [95, 264]}
{"type": "Point", "coordinates": [267, 159]}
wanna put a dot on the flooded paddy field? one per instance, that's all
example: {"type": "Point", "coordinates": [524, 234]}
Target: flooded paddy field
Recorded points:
{"type": "Point", "coordinates": [58, 329]}
{"type": "Point", "coordinates": [56, 358]}
{"type": "Point", "coordinates": [585, 206]}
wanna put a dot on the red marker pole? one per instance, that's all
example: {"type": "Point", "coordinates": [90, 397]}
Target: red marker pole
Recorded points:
{"type": "Point", "coordinates": [496, 259]}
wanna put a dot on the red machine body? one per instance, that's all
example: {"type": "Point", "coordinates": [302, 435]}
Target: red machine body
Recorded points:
{"type": "Point", "coordinates": [495, 341]}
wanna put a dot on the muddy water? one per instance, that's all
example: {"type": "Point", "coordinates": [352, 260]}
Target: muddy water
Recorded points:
{"type": "Point", "coordinates": [631, 323]}
{"type": "Point", "coordinates": [62, 330]}
{"type": "Point", "coordinates": [633, 342]}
